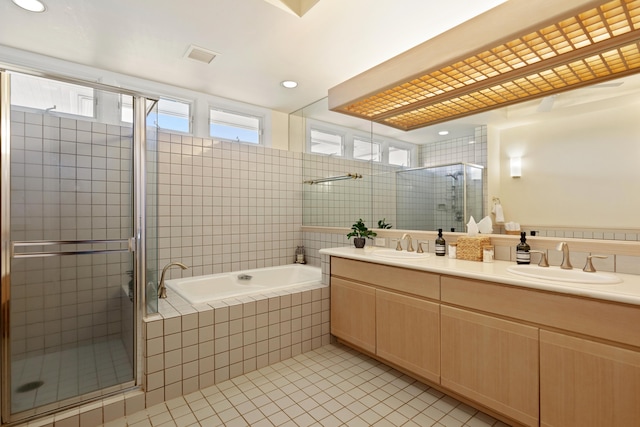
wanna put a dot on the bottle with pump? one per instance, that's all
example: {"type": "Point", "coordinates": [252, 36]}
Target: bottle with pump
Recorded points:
{"type": "Point", "coordinates": [440, 244]}
{"type": "Point", "coordinates": [523, 256]}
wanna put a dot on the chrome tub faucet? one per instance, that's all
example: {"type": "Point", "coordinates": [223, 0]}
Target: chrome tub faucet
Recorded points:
{"type": "Point", "coordinates": [162, 289]}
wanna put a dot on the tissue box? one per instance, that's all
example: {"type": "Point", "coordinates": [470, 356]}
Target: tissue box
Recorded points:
{"type": "Point", "coordinates": [470, 248]}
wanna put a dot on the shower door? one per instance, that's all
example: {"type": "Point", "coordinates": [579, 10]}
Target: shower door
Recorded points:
{"type": "Point", "coordinates": [68, 288]}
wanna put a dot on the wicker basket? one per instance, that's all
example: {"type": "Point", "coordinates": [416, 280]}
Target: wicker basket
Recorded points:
{"type": "Point", "coordinates": [512, 232]}
{"type": "Point", "coordinates": [470, 248]}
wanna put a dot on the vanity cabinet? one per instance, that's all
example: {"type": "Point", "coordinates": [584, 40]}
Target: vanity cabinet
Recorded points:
{"type": "Point", "coordinates": [585, 383]}
{"type": "Point", "coordinates": [383, 310]}
{"type": "Point", "coordinates": [491, 361]}
{"type": "Point", "coordinates": [539, 358]}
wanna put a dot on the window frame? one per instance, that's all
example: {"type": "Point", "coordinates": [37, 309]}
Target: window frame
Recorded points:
{"type": "Point", "coordinates": [328, 130]}
{"type": "Point", "coordinates": [368, 140]}
{"type": "Point", "coordinates": [121, 105]}
{"type": "Point", "coordinates": [348, 142]}
{"type": "Point", "coordinates": [411, 150]}
{"type": "Point", "coordinates": [54, 112]}
{"type": "Point", "coordinates": [242, 113]}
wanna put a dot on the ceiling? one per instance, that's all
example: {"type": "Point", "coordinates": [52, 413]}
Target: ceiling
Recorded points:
{"type": "Point", "coordinates": [259, 44]}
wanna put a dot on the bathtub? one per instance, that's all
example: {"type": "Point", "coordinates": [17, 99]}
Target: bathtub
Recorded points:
{"type": "Point", "coordinates": [202, 289]}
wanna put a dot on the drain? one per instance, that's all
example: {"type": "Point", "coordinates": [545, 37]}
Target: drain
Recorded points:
{"type": "Point", "coordinates": [29, 386]}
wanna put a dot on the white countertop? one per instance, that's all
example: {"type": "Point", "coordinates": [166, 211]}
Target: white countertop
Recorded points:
{"type": "Point", "coordinates": [628, 291]}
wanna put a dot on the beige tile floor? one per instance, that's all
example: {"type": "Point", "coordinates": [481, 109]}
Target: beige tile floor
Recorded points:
{"type": "Point", "coordinates": [330, 386]}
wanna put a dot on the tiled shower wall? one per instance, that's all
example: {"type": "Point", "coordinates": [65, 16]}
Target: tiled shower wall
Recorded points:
{"type": "Point", "coordinates": [415, 208]}
{"type": "Point", "coordinates": [341, 203]}
{"type": "Point", "coordinates": [225, 206]}
{"type": "Point", "coordinates": [70, 180]}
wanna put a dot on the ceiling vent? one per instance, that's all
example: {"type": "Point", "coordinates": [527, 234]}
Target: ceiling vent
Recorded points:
{"type": "Point", "coordinates": [200, 54]}
{"type": "Point", "coordinates": [593, 41]}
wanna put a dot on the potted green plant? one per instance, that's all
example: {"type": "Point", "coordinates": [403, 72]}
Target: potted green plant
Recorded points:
{"type": "Point", "coordinates": [360, 232]}
{"type": "Point", "coordinates": [383, 224]}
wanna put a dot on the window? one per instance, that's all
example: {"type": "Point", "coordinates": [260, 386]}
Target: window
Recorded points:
{"type": "Point", "coordinates": [231, 126]}
{"type": "Point", "coordinates": [172, 115]}
{"type": "Point", "coordinates": [366, 150]}
{"type": "Point", "coordinates": [326, 142]}
{"type": "Point", "coordinates": [52, 96]}
{"type": "Point", "coordinates": [399, 156]}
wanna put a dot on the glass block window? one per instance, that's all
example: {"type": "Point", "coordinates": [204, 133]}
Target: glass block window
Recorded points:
{"type": "Point", "coordinates": [366, 150]}
{"type": "Point", "coordinates": [52, 96]}
{"type": "Point", "coordinates": [399, 156]}
{"type": "Point", "coordinates": [233, 126]}
{"type": "Point", "coordinates": [323, 142]}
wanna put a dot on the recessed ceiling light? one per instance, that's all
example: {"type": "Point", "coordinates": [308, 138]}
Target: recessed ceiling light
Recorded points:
{"type": "Point", "coordinates": [31, 5]}
{"type": "Point", "coordinates": [289, 84]}
{"type": "Point", "coordinates": [472, 142]}
{"type": "Point", "coordinates": [443, 132]}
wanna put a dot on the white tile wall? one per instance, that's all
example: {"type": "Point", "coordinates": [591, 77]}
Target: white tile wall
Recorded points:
{"type": "Point", "coordinates": [226, 207]}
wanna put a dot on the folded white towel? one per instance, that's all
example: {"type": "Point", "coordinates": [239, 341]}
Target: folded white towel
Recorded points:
{"type": "Point", "coordinates": [512, 226]}
{"type": "Point", "coordinates": [499, 213]}
{"type": "Point", "coordinates": [485, 226]}
{"type": "Point", "coordinates": [472, 227]}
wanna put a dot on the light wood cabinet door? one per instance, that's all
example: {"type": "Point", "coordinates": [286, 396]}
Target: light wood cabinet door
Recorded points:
{"type": "Point", "coordinates": [408, 333]}
{"type": "Point", "coordinates": [585, 383]}
{"type": "Point", "coordinates": [491, 361]}
{"type": "Point", "coordinates": [353, 313]}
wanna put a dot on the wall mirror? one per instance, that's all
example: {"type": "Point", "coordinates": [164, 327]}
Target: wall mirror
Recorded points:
{"type": "Point", "coordinates": [579, 154]}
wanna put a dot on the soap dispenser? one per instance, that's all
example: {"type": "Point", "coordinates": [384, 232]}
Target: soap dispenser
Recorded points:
{"type": "Point", "coordinates": [440, 244]}
{"type": "Point", "coordinates": [523, 254]}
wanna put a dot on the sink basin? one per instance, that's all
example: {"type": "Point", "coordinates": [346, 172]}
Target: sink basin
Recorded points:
{"type": "Point", "coordinates": [393, 254]}
{"type": "Point", "coordinates": [559, 275]}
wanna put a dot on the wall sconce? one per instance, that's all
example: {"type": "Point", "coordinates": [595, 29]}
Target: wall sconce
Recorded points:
{"type": "Point", "coordinates": [516, 167]}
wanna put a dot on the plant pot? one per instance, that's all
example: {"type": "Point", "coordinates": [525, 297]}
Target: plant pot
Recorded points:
{"type": "Point", "coordinates": [359, 242]}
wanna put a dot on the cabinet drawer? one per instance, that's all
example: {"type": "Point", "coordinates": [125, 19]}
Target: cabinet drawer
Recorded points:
{"type": "Point", "coordinates": [414, 282]}
{"type": "Point", "coordinates": [597, 318]}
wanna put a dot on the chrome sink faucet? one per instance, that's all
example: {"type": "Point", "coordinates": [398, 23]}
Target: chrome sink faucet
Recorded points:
{"type": "Point", "coordinates": [162, 289]}
{"type": "Point", "coordinates": [566, 263]}
{"type": "Point", "coordinates": [409, 245]}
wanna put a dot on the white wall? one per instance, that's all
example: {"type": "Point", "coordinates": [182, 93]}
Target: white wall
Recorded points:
{"type": "Point", "coordinates": [581, 171]}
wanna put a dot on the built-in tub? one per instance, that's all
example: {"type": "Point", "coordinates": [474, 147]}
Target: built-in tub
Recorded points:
{"type": "Point", "coordinates": [202, 289]}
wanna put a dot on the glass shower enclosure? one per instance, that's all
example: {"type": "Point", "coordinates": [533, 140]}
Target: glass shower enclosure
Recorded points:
{"type": "Point", "coordinates": [69, 236]}
{"type": "Point", "coordinates": [443, 196]}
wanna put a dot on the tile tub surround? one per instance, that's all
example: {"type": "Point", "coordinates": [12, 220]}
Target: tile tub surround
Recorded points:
{"type": "Point", "coordinates": [188, 348]}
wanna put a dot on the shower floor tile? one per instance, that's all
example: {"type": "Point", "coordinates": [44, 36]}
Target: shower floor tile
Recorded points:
{"type": "Point", "coordinates": [329, 386]}
{"type": "Point", "coordinates": [49, 377]}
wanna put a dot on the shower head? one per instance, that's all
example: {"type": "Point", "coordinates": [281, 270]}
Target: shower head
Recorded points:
{"type": "Point", "coordinates": [455, 175]}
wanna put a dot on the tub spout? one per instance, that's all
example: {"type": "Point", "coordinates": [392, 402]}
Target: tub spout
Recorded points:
{"type": "Point", "coordinates": [162, 289]}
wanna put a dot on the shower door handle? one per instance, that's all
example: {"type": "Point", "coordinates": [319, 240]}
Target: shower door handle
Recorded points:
{"type": "Point", "coordinates": [130, 242]}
